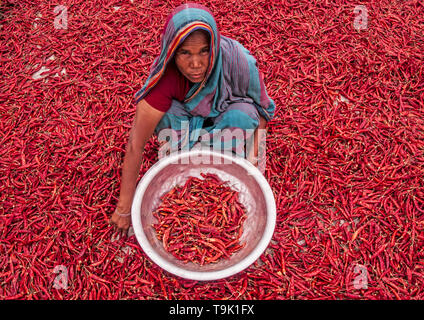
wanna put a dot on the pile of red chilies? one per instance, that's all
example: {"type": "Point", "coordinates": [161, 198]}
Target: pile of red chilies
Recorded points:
{"type": "Point", "coordinates": [201, 221]}
{"type": "Point", "coordinates": [345, 151]}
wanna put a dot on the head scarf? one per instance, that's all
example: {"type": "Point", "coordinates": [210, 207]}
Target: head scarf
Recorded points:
{"type": "Point", "coordinates": [232, 75]}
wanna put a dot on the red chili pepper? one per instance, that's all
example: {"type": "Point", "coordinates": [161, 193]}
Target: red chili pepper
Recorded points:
{"type": "Point", "coordinates": [210, 232]}
{"type": "Point", "coordinates": [345, 143]}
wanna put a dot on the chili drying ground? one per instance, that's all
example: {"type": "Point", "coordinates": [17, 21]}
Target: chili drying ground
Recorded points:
{"type": "Point", "coordinates": [201, 221]}
{"type": "Point", "coordinates": [344, 152]}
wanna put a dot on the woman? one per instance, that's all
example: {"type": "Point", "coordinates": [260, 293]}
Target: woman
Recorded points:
{"type": "Point", "coordinates": [201, 79]}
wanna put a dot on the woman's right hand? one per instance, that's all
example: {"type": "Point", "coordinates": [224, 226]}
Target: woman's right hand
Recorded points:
{"type": "Point", "coordinates": [145, 122]}
{"type": "Point", "coordinates": [121, 220]}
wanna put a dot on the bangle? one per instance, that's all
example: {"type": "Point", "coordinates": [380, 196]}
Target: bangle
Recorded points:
{"type": "Point", "coordinates": [123, 214]}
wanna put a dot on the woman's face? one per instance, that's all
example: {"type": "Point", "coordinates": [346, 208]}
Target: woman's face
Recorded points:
{"type": "Point", "coordinates": [192, 56]}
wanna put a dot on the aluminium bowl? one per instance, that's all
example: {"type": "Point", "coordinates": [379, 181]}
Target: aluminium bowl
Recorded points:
{"type": "Point", "coordinates": [254, 193]}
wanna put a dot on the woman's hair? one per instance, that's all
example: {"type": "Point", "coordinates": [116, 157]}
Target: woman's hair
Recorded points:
{"type": "Point", "coordinates": [204, 32]}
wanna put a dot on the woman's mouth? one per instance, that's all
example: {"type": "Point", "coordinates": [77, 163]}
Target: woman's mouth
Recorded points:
{"type": "Point", "coordinates": [197, 76]}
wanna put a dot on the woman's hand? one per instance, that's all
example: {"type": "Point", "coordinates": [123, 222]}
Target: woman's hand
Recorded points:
{"type": "Point", "coordinates": [122, 221]}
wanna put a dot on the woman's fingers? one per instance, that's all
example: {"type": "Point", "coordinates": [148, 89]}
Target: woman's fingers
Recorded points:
{"type": "Point", "coordinates": [121, 222]}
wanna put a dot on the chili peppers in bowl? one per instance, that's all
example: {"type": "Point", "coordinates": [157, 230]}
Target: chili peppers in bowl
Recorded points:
{"type": "Point", "coordinates": [201, 221]}
{"type": "Point", "coordinates": [203, 215]}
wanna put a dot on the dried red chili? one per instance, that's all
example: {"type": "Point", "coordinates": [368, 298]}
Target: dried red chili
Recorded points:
{"type": "Point", "coordinates": [345, 149]}
{"type": "Point", "coordinates": [201, 221]}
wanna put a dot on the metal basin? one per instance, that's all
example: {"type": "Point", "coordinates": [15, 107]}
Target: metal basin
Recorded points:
{"type": "Point", "coordinates": [254, 193]}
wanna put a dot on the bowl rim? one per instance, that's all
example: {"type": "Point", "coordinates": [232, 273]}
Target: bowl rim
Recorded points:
{"type": "Point", "coordinates": [205, 275]}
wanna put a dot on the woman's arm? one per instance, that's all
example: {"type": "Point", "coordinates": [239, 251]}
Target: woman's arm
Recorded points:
{"type": "Point", "coordinates": [145, 122]}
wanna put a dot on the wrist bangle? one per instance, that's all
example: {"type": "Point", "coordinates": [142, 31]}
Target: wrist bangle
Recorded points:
{"type": "Point", "coordinates": [123, 214]}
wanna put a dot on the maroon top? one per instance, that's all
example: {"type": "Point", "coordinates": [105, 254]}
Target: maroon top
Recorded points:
{"type": "Point", "coordinates": [172, 86]}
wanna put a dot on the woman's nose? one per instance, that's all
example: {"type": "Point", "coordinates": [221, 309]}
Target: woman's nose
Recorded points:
{"type": "Point", "coordinates": [195, 62]}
